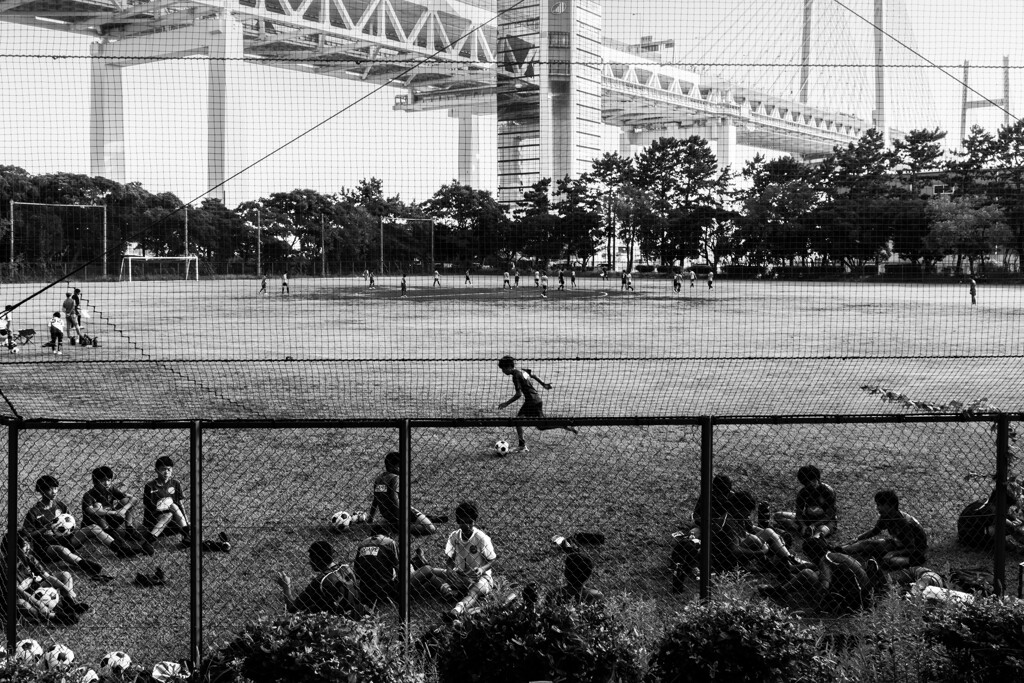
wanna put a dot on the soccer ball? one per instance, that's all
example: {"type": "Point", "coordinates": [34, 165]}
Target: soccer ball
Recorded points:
{"type": "Point", "coordinates": [14, 349]}
{"type": "Point", "coordinates": [169, 672]}
{"type": "Point", "coordinates": [58, 658]}
{"type": "Point", "coordinates": [501, 447]}
{"type": "Point", "coordinates": [164, 504]}
{"type": "Point", "coordinates": [47, 597]}
{"type": "Point", "coordinates": [83, 675]}
{"type": "Point", "coordinates": [341, 520]}
{"type": "Point", "coordinates": [63, 524]}
{"type": "Point", "coordinates": [114, 663]}
{"type": "Point", "coordinates": [28, 652]}
{"type": "Point", "coordinates": [814, 514]}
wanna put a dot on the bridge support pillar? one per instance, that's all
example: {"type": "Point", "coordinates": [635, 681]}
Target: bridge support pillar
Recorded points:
{"type": "Point", "coordinates": [106, 118]}
{"type": "Point", "coordinates": [472, 141]}
{"type": "Point", "coordinates": [225, 136]}
{"type": "Point", "coordinates": [723, 134]}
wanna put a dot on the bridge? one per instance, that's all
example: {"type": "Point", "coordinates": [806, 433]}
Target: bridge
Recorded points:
{"type": "Point", "coordinates": [544, 68]}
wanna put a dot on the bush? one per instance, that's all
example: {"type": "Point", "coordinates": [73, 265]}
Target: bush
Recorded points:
{"type": "Point", "coordinates": [984, 639]}
{"type": "Point", "coordinates": [309, 648]}
{"type": "Point", "coordinates": [734, 641]}
{"type": "Point", "coordinates": [644, 268]}
{"type": "Point", "coordinates": [521, 642]}
{"type": "Point", "coordinates": [667, 269]}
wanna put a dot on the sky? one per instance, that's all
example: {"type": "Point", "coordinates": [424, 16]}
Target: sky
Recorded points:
{"type": "Point", "coordinates": [46, 93]}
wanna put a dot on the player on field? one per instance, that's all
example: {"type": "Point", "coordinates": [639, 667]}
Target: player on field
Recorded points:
{"type": "Point", "coordinates": [373, 282]}
{"type": "Point", "coordinates": [437, 279]}
{"type": "Point", "coordinates": [57, 333]}
{"type": "Point", "coordinates": [816, 512]}
{"type": "Point", "coordinates": [677, 283]}
{"type": "Point", "coordinates": [907, 545]}
{"type": "Point", "coordinates": [376, 570]}
{"type": "Point", "coordinates": [469, 280]}
{"type": "Point", "coordinates": [711, 279]}
{"type": "Point", "coordinates": [404, 285]}
{"type": "Point", "coordinates": [515, 276]}
{"type": "Point", "coordinates": [572, 278]}
{"type": "Point", "coordinates": [622, 282]}
{"type": "Point", "coordinates": [331, 589]}
{"type": "Point", "coordinates": [469, 556]}
{"type": "Point", "coordinates": [536, 278]}
{"type": "Point", "coordinates": [385, 501]}
{"type": "Point", "coordinates": [544, 285]}
{"type": "Point", "coordinates": [629, 281]}
{"type": "Point", "coordinates": [284, 283]}
{"type": "Point", "coordinates": [561, 280]}
{"type": "Point", "coordinates": [974, 292]}
{"type": "Point", "coordinates": [693, 278]}
{"type": "Point", "coordinates": [533, 406]}
{"type": "Point", "coordinates": [7, 327]}
{"type": "Point", "coordinates": [263, 286]}
{"type": "Point", "coordinates": [71, 319]}
{"type": "Point", "coordinates": [163, 504]}
{"type": "Point", "coordinates": [506, 283]}
{"type": "Point", "coordinates": [38, 527]}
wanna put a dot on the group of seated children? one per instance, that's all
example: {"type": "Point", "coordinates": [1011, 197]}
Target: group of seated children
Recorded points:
{"type": "Point", "coordinates": [373, 576]}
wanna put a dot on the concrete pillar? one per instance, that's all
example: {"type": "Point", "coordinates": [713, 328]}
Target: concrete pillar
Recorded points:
{"type": "Point", "coordinates": [225, 136]}
{"type": "Point", "coordinates": [472, 139]}
{"type": "Point", "coordinates": [723, 134]}
{"type": "Point", "coordinates": [106, 117]}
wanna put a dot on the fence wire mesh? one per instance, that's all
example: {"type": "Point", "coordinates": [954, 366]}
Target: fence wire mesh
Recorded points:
{"type": "Point", "coordinates": [624, 496]}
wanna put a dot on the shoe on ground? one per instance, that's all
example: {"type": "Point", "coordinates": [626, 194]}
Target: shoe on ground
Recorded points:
{"type": "Point", "coordinates": [226, 542]}
{"type": "Point", "coordinates": [79, 607]}
{"type": "Point", "coordinates": [523, 448]}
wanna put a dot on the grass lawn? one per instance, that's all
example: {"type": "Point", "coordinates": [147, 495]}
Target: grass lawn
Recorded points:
{"type": "Point", "coordinates": [332, 349]}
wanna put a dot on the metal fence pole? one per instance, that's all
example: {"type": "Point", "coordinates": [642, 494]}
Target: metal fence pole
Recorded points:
{"type": "Point", "coordinates": [404, 535]}
{"type": "Point", "coordinates": [13, 543]}
{"type": "Point", "coordinates": [706, 472]}
{"type": "Point", "coordinates": [195, 464]}
{"type": "Point", "coordinates": [1002, 472]}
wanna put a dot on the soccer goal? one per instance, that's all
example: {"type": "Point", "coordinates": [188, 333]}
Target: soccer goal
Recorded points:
{"type": "Point", "coordinates": [159, 268]}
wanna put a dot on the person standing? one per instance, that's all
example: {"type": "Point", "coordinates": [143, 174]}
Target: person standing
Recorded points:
{"type": "Point", "coordinates": [693, 279]}
{"type": "Point", "coordinates": [404, 286]}
{"type": "Point", "coordinates": [263, 286]}
{"type": "Point", "coordinates": [506, 283]}
{"type": "Point", "coordinates": [677, 283]}
{"type": "Point", "coordinates": [437, 279]}
{"type": "Point", "coordinates": [469, 280]}
{"type": "Point", "coordinates": [544, 286]}
{"type": "Point", "coordinates": [974, 292]}
{"type": "Point", "coordinates": [536, 278]}
{"type": "Point", "coordinates": [515, 276]}
{"type": "Point", "coordinates": [711, 279]}
{"type": "Point", "coordinates": [284, 283]}
{"type": "Point", "coordinates": [561, 280]}
{"type": "Point", "coordinates": [572, 278]}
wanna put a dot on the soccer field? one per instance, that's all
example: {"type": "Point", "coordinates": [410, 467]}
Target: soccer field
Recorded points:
{"type": "Point", "coordinates": [175, 350]}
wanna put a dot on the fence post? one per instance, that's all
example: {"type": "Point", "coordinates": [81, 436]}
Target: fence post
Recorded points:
{"type": "Point", "coordinates": [404, 507]}
{"type": "Point", "coordinates": [14, 543]}
{"type": "Point", "coordinates": [1002, 471]}
{"type": "Point", "coordinates": [706, 473]}
{"type": "Point", "coordinates": [195, 465]}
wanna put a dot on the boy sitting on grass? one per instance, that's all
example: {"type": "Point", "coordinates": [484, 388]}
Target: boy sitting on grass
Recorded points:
{"type": "Point", "coordinates": [579, 567]}
{"type": "Point", "coordinates": [816, 513]}
{"type": "Point", "coordinates": [39, 530]}
{"type": "Point", "coordinates": [469, 558]}
{"type": "Point", "coordinates": [839, 585]}
{"type": "Point", "coordinates": [107, 515]}
{"type": "Point", "coordinates": [332, 588]}
{"type": "Point", "coordinates": [385, 501]}
{"type": "Point", "coordinates": [32, 575]}
{"type": "Point", "coordinates": [163, 504]}
{"type": "Point", "coordinates": [907, 544]}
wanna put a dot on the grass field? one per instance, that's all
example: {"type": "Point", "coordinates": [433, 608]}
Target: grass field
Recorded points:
{"type": "Point", "coordinates": [332, 349]}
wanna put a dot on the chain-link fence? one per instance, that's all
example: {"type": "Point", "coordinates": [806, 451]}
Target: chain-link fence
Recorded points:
{"type": "Point", "coordinates": [626, 494]}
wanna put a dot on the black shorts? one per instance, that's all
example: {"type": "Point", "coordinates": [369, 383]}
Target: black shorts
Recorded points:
{"type": "Point", "coordinates": [531, 409]}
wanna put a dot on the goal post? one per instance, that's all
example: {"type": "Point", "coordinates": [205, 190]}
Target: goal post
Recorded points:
{"type": "Point", "coordinates": [142, 267]}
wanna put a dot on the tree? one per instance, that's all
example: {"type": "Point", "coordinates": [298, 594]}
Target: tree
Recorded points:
{"type": "Point", "coordinates": [474, 217]}
{"type": "Point", "coordinates": [773, 225]}
{"type": "Point", "coordinates": [917, 153]}
{"type": "Point", "coordinates": [581, 218]}
{"type": "Point", "coordinates": [970, 227]}
{"type": "Point", "coordinates": [1008, 188]}
{"type": "Point", "coordinates": [608, 177]}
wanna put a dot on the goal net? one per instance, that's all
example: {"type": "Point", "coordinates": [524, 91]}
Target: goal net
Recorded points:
{"type": "Point", "coordinates": [159, 268]}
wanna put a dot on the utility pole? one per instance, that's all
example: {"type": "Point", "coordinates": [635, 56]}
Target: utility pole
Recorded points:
{"type": "Point", "coordinates": [186, 231]}
{"type": "Point", "coordinates": [323, 249]}
{"type": "Point", "coordinates": [380, 221]}
{"type": "Point", "coordinates": [259, 243]}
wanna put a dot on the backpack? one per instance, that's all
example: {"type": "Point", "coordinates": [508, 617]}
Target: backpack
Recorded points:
{"type": "Point", "coordinates": [973, 580]}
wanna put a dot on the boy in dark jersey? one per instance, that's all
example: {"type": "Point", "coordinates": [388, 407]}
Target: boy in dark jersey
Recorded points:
{"type": "Point", "coordinates": [376, 570]}
{"type": "Point", "coordinates": [385, 501]}
{"type": "Point", "coordinates": [533, 406]}
{"type": "Point", "coordinates": [107, 515]}
{"type": "Point", "coordinates": [331, 589]}
{"type": "Point", "coordinates": [907, 545]}
{"type": "Point", "coordinates": [38, 528]}
{"type": "Point", "coordinates": [579, 567]}
{"type": "Point", "coordinates": [816, 510]}
{"type": "Point", "coordinates": [30, 575]}
{"type": "Point", "coordinates": [839, 585]}
{"type": "Point", "coordinates": [976, 525]}
{"type": "Point", "coordinates": [163, 504]}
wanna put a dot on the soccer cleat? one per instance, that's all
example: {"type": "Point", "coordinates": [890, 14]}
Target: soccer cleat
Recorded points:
{"type": "Point", "coordinates": [561, 542]}
{"type": "Point", "coordinates": [94, 569]}
{"type": "Point", "coordinates": [224, 541]}
{"type": "Point", "coordinates": [437, 519]}
{"type": "Point", "coordinates": [523, 448]}
{"type": "Point", "coordinates": [418, 560]}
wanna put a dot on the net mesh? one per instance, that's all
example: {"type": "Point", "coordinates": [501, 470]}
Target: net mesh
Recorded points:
{"type": "Point", "coordinates": [359, 183]}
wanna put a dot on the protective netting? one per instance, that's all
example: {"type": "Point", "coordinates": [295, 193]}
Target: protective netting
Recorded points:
{"type": "Point", "coordinates": [848, 174]}
{"type": "Point", "coordinates": [625, 496]}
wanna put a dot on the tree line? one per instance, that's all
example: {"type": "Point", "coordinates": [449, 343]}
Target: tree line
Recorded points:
{"type": "Point", "coordinates": [668, 203]}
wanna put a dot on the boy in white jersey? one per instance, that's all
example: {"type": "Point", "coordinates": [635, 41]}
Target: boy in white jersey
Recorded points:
{"type": "Point", "coordinates": [506, 282]}
{"type": "Point", "coordinates": [57, 332]}
{"type": "Point", "coordinates": [469, 557]}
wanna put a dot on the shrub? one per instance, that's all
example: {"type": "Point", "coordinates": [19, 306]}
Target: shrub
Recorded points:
{"type": "Point", "coordinates": [309, 648]}
{"type": "Point", "coordinates": [644, 268]}
{"type": "Point", "coordinates": [522, 642]}
{"type": "Point", "coordinates": [984, 639]}
{"type": "Point", "coordinates": [734, 641]}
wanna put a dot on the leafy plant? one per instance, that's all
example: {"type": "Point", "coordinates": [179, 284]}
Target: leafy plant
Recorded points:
{"type": "Point", "coordinates": [984, 639]}
{"type": "Point", "coordinates": [521, 642]}
{"type": "Point", "coordinates": [309, 648]}
{"type": "Point", "coordinates": [732, 641]}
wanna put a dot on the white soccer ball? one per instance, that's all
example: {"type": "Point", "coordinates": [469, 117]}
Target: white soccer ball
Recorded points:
{"type": "Point", "coordinates": [501, 447]}
{"type": "Point", "coordinates": [114, 663]}
{"type": "Point", "coordinates": [47, 597]}
{"type": "Point", "coordinates": [63, 524]}
{"type": "Point", "coordinates": [341, 520]}
{"type": "Point", "coordinates": [58, 658]}
{"type": "Point", "coordinates": [14, 349]}
{"type": "Point", "coordinates": [28, 652]}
